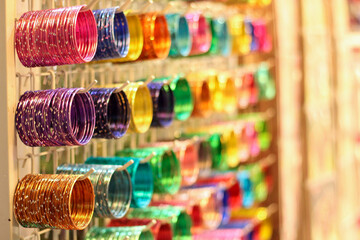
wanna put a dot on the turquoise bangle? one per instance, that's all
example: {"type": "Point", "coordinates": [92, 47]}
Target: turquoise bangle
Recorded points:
{"type": "Point", "coordinates": [221, 40]}
{"type": "Point", "coordinates": [141, 178]}
{"type": "Point", "coordinates": [180, 35]}
{"type": "Point", "coordinates": [165, 166]}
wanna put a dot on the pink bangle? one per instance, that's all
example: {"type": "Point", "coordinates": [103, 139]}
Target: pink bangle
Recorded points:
{"type": "Point", "coordinates": [56, 37]}
{"type": "Point", "coordinates": [200, 32]}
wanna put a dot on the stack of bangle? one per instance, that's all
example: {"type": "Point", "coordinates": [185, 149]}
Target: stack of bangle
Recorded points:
{"type": "Point", "coordinates": [163, 104]}
{"type": "Point", "coordinates": [164, 164]}
{"type": "Point", "coordinates": [119, 233]}
{"type": "Point", "coordinates": [157, 40]}
{"type": "Point", "coordinates": [54, 201]}
{"type": "Point", "coordinates": [112, 188]}
{"type": "Point", "coordinates": [56, 37]}
{"type": "Point", "coordinates": [180, 35]}
{"type": "Point", "coordinates": [220, 43]}
{"type": "Point", "coordinates": [201, 94]}
{"type": "Point", "coordinates": [113, 34]}
{"type": "Point", "coordinates": [137, 39]}
{"type": "Point", "coordinates": [112, 112]}
{"type": "Point", "coordinates": [161, 229]}
{"type": "Point", "coordinates": [184, 102]}
{"type": "Point", "coordinates": [141, 177]}
{"type": "Point", "coordinates": [180, 221]}
{"type": "Point", "coordinates": [55, 117]}
{"type": "Point", "coordinates": [200, 33]}
{"type": "Point", "coordinates": [141, 106]}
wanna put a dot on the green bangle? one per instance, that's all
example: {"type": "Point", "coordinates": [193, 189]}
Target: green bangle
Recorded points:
{"type": "Point", "coordinates": [119, 233]}
{"type": "Point", "coordinates": [180, 221]}
{"type": "Point", "coordinates": [165, 167]}
{"type": "Point", "coordinates": [141, 177]}
{"type": "Point", "coordinates": [184, 103]}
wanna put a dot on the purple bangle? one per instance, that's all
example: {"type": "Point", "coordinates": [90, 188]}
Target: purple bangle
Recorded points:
{"type": "Point", "coordinates": [55, 117]}
{"type": "Point", "coordinates": [112, 112]}
{"type": "Point", "coordinates": [163, 104]}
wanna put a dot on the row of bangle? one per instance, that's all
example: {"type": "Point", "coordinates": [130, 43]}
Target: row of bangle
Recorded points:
{"type": "Point", "coordinates": [74, 35]}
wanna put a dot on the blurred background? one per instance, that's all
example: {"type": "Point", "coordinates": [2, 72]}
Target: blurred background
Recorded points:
{"type": "Point", "coordinates": [318, 56]}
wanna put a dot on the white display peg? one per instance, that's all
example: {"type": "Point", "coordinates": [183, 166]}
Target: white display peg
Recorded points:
{"type": "Point", "coordinates": [149, 79]}
{"type": "Point", "coordinates": [91, 5]}
{"type": "Point", "coordinates": [89, 87]}
{"type": "Point", "coordinates": [86, 175]}
{"type": "Point", "coordinates": [122, 87]}
{"type": "Point", "coordinates": [125, 166]}
{"type": "Point", "coordinates": [148, 158]}
{"type": "Point", "coordinates": [147, 5]}
{"type": "Point", "coordinates": [123, 7]}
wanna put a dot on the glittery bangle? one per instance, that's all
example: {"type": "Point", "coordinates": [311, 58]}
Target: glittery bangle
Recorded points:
{"type": "Point", "coordinates": [181, 41]}
{"type": "Point", "coordinates": [112, 188]}
{"type": "Point", "coordinates": [180, 221]}
{"type": "Point", "coordinates": [55, 117]}
{"type": "Point", "coordinates": [161, 229]}
{"type": "Point", "coordinates": [113, 34]}
{"type": "Point", "coordinates": [72, 201]}
{"type": "Point", "coordinates": [165, 167]}
{"type": "Point", "coordinates": [157, 40]}
{"type": "Point", "coordinates": [119, 233]}
{"type": "Point", "coordinates": [136, 39]}
{"type": "Point", "coordinates": [163, 104]}
{"type": "Point", "coordinates": [141, 177]}
{"type": "Point", "coordinates": [112, 112]}
{"type": "Point", "coordinates": [200, 33]}
{"type": "Point", "coordinates": [56, 37]}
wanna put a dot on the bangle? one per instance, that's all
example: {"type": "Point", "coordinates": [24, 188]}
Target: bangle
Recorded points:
{"type": "Point", "coordinates": [112, 188]}
{"type": "Point", "coordinates": [205, 158]}
{"type": "Point", "coordinates": [55, 201]}
{"type": "Point", "coordinates": [141, 107]}
{"type": "Point", "coordinates": [161, 230]}
{"type": "Point", "coordinates": [140, 174]}
{"type": "Point", "coordinates": [165, 167]}
{"type": "Point", "coordinates": [240, 35]}
{"type": "Point", "coordinates": [201, 94]}
{"type": "Point", "coordinates": [56, 37]}
{"type": "Point", "coordinates": [157, 40]}
{"type": "Point", "coordinates": [181, 41]}
{"type": "Point", "coordinates": [180, 221]}
{"type": "Point", "coordinates": [230, 150]}
{"type": "Point", "coordinates": [119, 233]}
{"type": "Point", "coordinates": [55, 117]}
{"type": "Point", "coordinates": [112, 112]}
{"type": "Point", "coordinates": [184, 103]}
{"type": "Point", "coordinates": [136, 39]}
{"type": "Point", "coordinates": [163, 104]}
{"type": "Point", "coordinates": [113, 34]}
{"type": "Point", "coordinates": [200, 33]}
{"type": "Point", "coordinates": [220, 42]}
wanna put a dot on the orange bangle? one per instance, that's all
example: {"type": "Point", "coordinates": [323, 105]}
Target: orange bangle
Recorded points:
{"type": "Point", "coordinates": [157, 39]}
{"type": "Point", "coordinates": [56, 201]}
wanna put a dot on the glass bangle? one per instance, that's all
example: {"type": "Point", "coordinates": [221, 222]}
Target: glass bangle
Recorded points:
{"type": "Point", "coordinates": [59, 117]}
{"type": "Point", "coordinates": [161, 230]}
{"type": "Point", "coordinates": [141, 177]}
{"type": "Point", "coordinates": [44, 38]}
{"type": "Point", "coordinates": [200, 33]}
{"type": "Point", "coordinates": [165, 166]}
{"type": "Point", "coordinates": [221, 41]}
{"type": "Point", "coordinates": [177, 217]}
{"type": "Point", "coordinates": [113, 34]}
{"type": "Point", "coordinates": [112, 188]}
{"type": "Point", "coordinates": [201, 95]}
{"type": "Point", "coordinates": [54, 201]}
{"type": "Point", "coordinates": [119, 233]}
{"type": "Point", "coordinates": [141, 106]}
{"type": "Point", "coordinates": [112, 112]}
{"type": "Point", "coordinates": [184, 103]}
{"type": "Point", "coordinates": [181, 41]}
{"type": "Point", "coordinates": [157, 40]}
{"type": "Point", "coordinates": [163, 104]}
